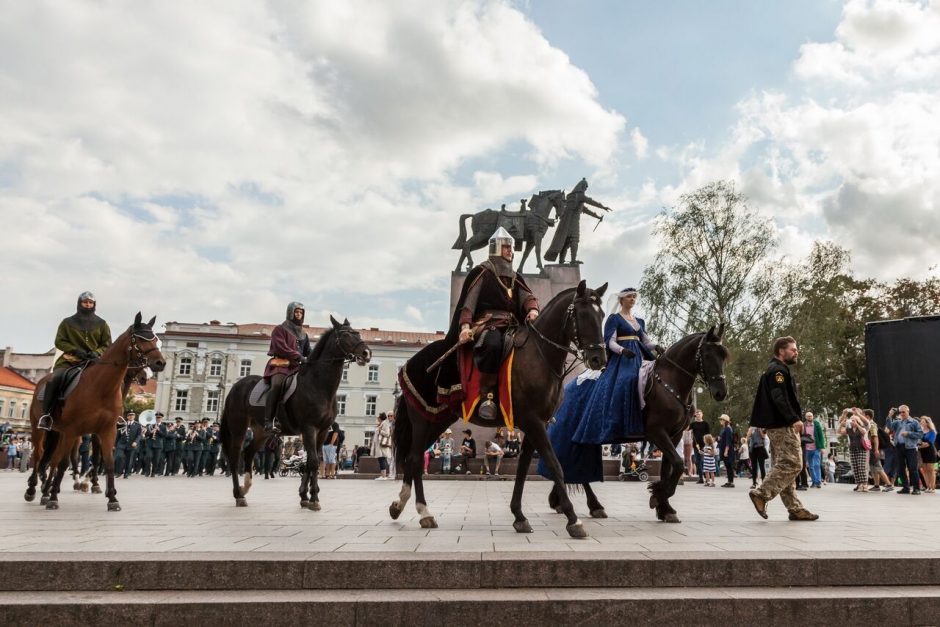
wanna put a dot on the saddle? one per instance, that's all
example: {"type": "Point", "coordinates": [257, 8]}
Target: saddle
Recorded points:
{"type": "Point", "coordinates": [260, 392]}
{"type": "Point", "coordinates": [470, 379]}
{"type": "Point", "coordinates": [69, 379]}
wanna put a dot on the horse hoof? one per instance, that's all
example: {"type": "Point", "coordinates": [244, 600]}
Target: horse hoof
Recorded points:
{"type": "Point", "coordinates": [599, 513]}
{"type": "Point", "coordinates": [305, 504]}
{"type": "Point", "coordinates": [241, 502]}
{"type": "Point", "coordinates": [394, 511]}
{"type": "Point", "coordinates": [96, 489]}
{"type": "Point", "coordinates": [576, 530]}
{"type": "Point", "coordinates": [44, 500]}
{"type": "Point", "coordinates": [52, 505]}
{"type": "Point", "coordinates": [654, 502]}
{"type": "Point", "coordinates": [428, 523]}
{"type": "Point", "coordinates": [671, 518]}
{"type": "Point", "coordinates": [77, 487]}
{"type": "Point", "coordinates": [114, 507]}
{"type": "Point", "coordinates": [314, 506]}
{"type": "Point", "coordinates": [29, 497]}
{"type": "Point", "coordinates": [85, 489]}
{"type": "Point", "coordinates": [522, 526]}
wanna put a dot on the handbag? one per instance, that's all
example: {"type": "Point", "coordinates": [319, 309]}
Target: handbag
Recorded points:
{"type": "Point", "coordinates": [866, 442]}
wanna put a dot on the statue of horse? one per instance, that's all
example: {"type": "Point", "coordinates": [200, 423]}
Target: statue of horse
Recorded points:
{"type": "Point", "coordinates": [95, 406]}
{"type": "Point", "coordinates": [574, 316]}
{"type": "Point", "coordinates": [667, 414]}
{"type": "Point", "coordinates": [526, 227]}
{"type": "Point", "coordinates": [309, 412]}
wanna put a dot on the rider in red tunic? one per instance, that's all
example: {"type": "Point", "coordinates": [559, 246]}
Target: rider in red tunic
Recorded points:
{"type": "Point", "coordinates": [289, 348]}
{"type": "Point", "coordinates": [496, 299]}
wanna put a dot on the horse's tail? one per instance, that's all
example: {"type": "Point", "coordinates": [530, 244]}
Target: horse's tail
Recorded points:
{"type": "Point", "coordinates": [462, 237]}
{"type": "Point", "coordinates": [401, 434]}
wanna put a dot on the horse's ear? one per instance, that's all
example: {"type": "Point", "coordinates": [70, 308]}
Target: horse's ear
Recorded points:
{"type": "Point", "coordinates": [710, 336]}
{"type": "Point", "coordinates": [137, 320]}
{"type": "Point", "coordinates": [721, 331]}
{"type": "Point", "coordinates": [333, 321]}
{"type": "Point", "coordinates": [600, 291]}
{"type": "Point", "coordinates": [581, 287]}
{"type": "Point", "coordinates": [346, 322]}
{"type": "Point", "coordinates": [152, 320]}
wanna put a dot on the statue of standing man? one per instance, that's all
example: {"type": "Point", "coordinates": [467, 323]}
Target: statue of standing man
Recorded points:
{"type": "Point", "coordinates": [568, 233]}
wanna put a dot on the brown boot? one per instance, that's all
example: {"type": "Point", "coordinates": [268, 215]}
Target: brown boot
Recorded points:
{"type": "Point", "coordinates": [488, 390]}
{"type": "Point", "coordinates": [803, 514]}
{"type": "Point", "coordinates": [759, 503]}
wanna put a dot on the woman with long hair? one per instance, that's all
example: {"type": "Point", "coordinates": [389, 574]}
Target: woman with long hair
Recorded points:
{"type": "Point", "coordinates": [855, 425]}
{"type": "Point", "coordinates": [928, 453]}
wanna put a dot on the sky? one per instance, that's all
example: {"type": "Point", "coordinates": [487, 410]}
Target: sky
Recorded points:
{"type": "Point", "coordinates": [219, 159]}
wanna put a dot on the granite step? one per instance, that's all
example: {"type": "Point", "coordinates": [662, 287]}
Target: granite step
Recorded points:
{"type": "Point", "coordinates": [699, 605]}
{"type": "Point", "coordinates": [103, 572]}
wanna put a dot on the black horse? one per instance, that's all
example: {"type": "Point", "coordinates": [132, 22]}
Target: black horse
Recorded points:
{"type": "Point", "coordinates": [574, 316]}
{"type": "Point", "coordinates": [309, 412]}
{"type": "Point", "coordinates": [668, 411]}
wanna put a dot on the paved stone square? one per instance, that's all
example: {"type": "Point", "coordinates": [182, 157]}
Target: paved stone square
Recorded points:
{"type": "Point", "coordinates": [183, 515]}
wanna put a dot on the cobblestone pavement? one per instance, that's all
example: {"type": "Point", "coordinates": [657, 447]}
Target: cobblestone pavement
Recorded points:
{"type": "Point", "coordinates": [179, 514]}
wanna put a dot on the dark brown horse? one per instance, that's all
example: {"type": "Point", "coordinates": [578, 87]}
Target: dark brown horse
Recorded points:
{"type": "Point", "coordinates": [95, 406]}
{"type": "Point", "coordinates": [574, 316]}
{"type": "Point", "coordinates": [309, 412]}
{"type": "Point", "coordinates": [668, 411]}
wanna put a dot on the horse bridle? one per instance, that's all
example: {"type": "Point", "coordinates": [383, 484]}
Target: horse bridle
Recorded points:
{"type": "Point", "coordinates": [348, 355]}
{"type": "Point", "coordinates": [578, 351]}
{"type": "Point", "coordinates": [698, 374]}
{"type": "Point", "coordinates": [140, 359]}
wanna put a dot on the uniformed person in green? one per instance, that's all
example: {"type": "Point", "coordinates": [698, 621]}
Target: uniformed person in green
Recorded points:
{"type": "Point", "coordinates": [198, 447]}
{"type": "Point", "coordinates": [158, 435]}
{"type": "Point", "coordinates": [127, 446]}
{"type": "Point", "coordinates": [169, 447]}
{"type": "Point", "coordinates": [81, 338]}
{"type": "Point", "coordinates": [214, 446]}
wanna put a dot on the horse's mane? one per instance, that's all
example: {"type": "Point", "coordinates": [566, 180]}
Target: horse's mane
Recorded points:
{"type": "Point", "coordinates": [681, 344]}
{"type": "Point", "coordinates": [558, 298]}
{"type": "Point", "coordinates": [321, 344]}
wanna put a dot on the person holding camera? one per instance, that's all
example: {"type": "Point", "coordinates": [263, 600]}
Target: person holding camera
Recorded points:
{"type": "Point", "coordinates": [855, 425]}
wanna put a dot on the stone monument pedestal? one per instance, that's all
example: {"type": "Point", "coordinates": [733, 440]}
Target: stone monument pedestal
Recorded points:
{"type": "Point", "coordinates": [545, 285]}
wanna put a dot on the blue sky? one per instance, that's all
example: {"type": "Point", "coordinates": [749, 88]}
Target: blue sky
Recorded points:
{"type": "Point", "coordinates": [218, 160]}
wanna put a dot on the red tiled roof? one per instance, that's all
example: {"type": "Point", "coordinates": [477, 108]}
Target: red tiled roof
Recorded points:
{"type": "Point", "coordinates": [15, 380]}
{"type": "Point", "coordinates": [255, 329]}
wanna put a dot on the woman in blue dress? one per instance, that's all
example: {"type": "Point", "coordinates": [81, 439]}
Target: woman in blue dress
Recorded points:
{"type": "Point", "coordinates": [603, 407]}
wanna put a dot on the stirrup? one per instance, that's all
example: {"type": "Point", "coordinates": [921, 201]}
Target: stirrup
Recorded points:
{"type": "Point", "coordinates": [45, 422]}
{"type": "Point", "coordinates": [270, 426]}
{"type": "Point", "coordinates": [487, 409]}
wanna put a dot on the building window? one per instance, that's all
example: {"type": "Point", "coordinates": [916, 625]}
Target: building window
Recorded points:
{"type": "Point", "coordinates": [212, 401]}
{"type": "Point", "coordinates": [24, 410]}
{"type": "Point", "coordinates": [373, 373]}
{"type": "Point", "coordinates": [245, 368]}
{"type": "Point", "coordinates": [371, 402]}
{"type": "Point", "coordinates": [215, 367]}
{"type": "Point", "coordinates": [346, 374]}
{"type": "Point", "coordinates": [185, 366]}
{"type": "Point", "coordinates": [2, 403]}
{"type": "Point", "coordinates": [182, 400]}
{"type": "Point", "coordinates": [340, 404]}
{"type": "Point", "coordinates": [12, 413]}
{"type": "Point", "coordinates": [192, 344]}
{"type": "Point", "coordinates": [368, 439]}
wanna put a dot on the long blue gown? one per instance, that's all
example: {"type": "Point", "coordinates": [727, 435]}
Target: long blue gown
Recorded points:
{"type": "Point", "coordinates": [600, 411]}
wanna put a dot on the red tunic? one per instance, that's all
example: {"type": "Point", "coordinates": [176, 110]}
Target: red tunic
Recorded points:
{"type": "Point", "coordinates": [283, 346]}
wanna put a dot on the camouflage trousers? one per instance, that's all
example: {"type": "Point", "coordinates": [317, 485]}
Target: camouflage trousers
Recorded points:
{"type": "Point", "coordinates": [787, 462]}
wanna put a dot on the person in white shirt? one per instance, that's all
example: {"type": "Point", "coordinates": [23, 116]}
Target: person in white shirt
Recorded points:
{"type": "Point", "coordinates": [493, 451]}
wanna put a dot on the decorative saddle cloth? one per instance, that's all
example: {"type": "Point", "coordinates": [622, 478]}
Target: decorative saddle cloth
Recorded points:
{"type": "Point", "coordinates": [70, 380]}
{"type": "Point", "coordinates": [260, 392]}
{"type": "Point", "coordinates": [470, 378]}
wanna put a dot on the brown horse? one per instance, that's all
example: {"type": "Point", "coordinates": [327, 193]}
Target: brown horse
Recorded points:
{"type": "Point", "coordinates": [668, 411]}
{"type": "Point", "coordinates": [574, 316]}
{"type": "Point", "coordinates": [95, 406]}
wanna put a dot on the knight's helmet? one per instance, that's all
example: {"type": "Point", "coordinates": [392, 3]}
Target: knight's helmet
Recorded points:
{"type": "Point", "coordinates": [290, 311]}
{"type": "Point", "coordinates": [499, 239]}
{"type": "Point", "coordinates": [581, 186]}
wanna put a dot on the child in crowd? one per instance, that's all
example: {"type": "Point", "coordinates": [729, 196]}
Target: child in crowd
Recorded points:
{"type": "Point", "coordinates": [831, 469]}
{"type": "Point", "coordinates": [708, 461]}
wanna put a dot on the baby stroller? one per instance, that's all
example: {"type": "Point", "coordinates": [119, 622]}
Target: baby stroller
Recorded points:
{"type": "Point", "coordinates": [292, 467]}
{"type": "Point", "coordinates": [633, 470]}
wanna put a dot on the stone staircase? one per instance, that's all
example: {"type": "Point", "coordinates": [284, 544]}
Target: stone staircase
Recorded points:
{"type": "Point", "coordinates": [469, 588]}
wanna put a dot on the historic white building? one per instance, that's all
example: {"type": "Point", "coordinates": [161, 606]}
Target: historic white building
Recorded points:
{"type": "Point", "coordinates": [205, 360]}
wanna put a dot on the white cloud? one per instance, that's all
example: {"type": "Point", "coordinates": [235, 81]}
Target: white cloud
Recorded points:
{"type": "Point", "coordinates": [853, 155]}
{"type": "Point", "coordinates": [215, 160]}
{"type": "Point", "coordinates": [640, 143]}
